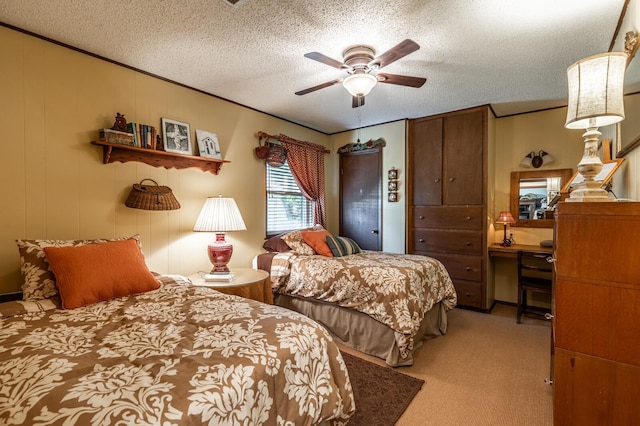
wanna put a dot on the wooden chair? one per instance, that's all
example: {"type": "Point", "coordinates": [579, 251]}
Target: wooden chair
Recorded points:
{"type": "Point", "coordinates": [535, 275]}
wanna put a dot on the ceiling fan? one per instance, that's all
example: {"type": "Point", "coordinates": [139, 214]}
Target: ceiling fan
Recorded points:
{"type": "Point", "coordinates": [359, 62]}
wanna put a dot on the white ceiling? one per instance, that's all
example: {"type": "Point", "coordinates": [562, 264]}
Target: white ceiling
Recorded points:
{"type": "Point", "coordinates": [512, 54]}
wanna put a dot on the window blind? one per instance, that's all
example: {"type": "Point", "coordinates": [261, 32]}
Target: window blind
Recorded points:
{"type": "Point", "coordinates": [287, 208]}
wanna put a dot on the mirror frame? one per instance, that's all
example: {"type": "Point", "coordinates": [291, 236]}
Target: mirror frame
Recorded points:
{"type": "Point", "coordinates": [565, 175]}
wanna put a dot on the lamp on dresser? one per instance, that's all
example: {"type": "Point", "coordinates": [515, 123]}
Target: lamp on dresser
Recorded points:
{"type": "Point", "coordinates": [219, 215]}
{"type": "Point", "coordinates": [595, 100]}
{"type": "Point", "coordinates": [505, 218]}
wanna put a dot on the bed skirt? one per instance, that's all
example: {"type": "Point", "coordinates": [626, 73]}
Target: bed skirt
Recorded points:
{"type": "Point", "coordinates": [363, 333]}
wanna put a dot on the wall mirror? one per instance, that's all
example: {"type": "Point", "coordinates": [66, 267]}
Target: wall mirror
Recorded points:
{"type": "Point", "coordinates": [628, 130]}
{"type": "Point", "coordinates": [534, 195]}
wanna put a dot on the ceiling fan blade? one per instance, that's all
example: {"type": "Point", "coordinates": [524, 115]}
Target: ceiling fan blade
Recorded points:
{"type": "Point", "coordinates": [317, 56]}
{"type": "Point", "coordinates": [402, 80]}
{"type": "Point", "coordinates": [357, 101]}
{"type": "Point", "coordinates": [319, 86]}
{"type": "Point", "coordinates": [401, 50]}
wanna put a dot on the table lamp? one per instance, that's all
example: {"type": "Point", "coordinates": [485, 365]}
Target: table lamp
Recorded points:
{"type": "Point", "coordinates": [595, 100]}
{"type": "Point", "coordinates": [219, 215]}
{"type": "Point", "coordinates": [505, 218]}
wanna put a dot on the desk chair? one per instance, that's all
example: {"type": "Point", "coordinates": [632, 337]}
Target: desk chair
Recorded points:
{"type": "Point", "coordinates": [535, 275]}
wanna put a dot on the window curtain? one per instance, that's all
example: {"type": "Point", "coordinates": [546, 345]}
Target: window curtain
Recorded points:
{"type": "Point", "coordinates": [306, 162]}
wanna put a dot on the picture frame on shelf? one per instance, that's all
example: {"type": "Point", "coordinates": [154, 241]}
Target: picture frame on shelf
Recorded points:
{"type": "Point", "coordinates": [208, 145]}
{"type": "Point", "coordinates": [176, 137]}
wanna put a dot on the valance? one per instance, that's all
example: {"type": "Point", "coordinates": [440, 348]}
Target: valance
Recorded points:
{"type": "Point", "coordinates": [286, 139]}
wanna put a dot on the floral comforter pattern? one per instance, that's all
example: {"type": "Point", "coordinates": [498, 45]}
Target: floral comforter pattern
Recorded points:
{"type": "Point", "coordinates": [172, 356]}
{"type": "Point", "coordinates": [395, 289]}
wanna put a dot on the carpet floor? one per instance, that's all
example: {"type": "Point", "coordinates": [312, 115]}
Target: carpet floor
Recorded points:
{"type": "Point", "coordinates": [381, 393]}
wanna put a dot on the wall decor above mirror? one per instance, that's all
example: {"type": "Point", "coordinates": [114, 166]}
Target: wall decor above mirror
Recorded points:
{"type": "Point", "coordinates": [534, 194]}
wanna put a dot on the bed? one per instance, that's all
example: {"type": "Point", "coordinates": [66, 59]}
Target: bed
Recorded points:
{"type": "Point", "coordinates": [382, 304]}
{"type": "Point", "coordinates": [174, 355]}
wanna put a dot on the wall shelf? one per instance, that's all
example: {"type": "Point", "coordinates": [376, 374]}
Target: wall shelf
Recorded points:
{"type": "Point", "coordinates": [115, 152]}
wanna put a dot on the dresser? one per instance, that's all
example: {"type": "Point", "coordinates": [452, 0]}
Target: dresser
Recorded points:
{"type": "Point", "coordinates": [447, 195]}
{"type": "Point", "coordinates": [597, 314]}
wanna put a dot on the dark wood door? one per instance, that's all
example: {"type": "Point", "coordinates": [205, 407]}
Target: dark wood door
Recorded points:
{"type": "Point", "coordinates": [361, 197]}
{"type": "Point", "coordinates": [425, 160]}
{"type": "Point", "coordinates": [463, 157]}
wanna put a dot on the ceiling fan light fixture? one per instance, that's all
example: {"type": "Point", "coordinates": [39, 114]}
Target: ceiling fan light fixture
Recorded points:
{"type": "Point", "coordinates": [359, 84]}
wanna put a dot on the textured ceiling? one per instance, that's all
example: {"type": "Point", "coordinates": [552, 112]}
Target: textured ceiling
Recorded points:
{"type": "Point", "coordinates": [510, 54]}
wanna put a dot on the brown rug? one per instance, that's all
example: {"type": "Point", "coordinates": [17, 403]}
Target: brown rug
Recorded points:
{"type": "Point", "coordinates": [381, 393]}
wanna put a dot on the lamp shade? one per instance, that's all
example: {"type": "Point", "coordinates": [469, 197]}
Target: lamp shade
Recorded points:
{"type": "Point", "coordinates": [359, 84]}
{"type": "Point", "coordinates": [505, 217]}
{"type": "Point", "coordinates": [596, 91]}
{"type": "Point", "coordinates": [219, 214]}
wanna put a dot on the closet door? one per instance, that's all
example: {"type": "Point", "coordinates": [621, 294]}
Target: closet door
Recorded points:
{"type": "Point", "coordinates": [361, 197]}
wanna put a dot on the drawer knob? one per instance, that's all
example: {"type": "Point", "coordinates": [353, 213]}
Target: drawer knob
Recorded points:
{"type": "Point", "coordinates": [467, 269]}
{"type": "Point", "coordinates": [420, 217]}
{"type": "Point", "coordinates": [468, 294]}
{"type": "Point", "coordinates": [436, 180]}
{"type": "Point", "coordinates": [468, 243]}
{"type": "Point", "coordinates": [421, 240]}
{"type": "Point", "coordinates": [467, 218]}
{"type": "Point", "coordinates": [451, 179]}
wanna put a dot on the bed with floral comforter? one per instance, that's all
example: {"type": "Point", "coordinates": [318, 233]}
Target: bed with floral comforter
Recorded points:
{"type": "Point", "coordinates": [396, 290]}
{"type": "Point", "coordinates": [173, 356]}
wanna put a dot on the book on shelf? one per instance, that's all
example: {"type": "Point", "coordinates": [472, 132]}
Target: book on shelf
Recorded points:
{"type": "Point", "coordinates": [218, 277]}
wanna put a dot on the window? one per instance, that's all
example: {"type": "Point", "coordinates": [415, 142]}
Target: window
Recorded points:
{"type": "Point", "coordinates": [287, 209]}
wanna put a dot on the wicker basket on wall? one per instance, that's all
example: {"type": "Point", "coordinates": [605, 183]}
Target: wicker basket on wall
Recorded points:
{"type": "Point", "coordinates": [151, 197]}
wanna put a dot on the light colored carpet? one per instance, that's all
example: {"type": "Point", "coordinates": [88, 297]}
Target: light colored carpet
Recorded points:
{"type": "Point", "coordinates": [487, 370]}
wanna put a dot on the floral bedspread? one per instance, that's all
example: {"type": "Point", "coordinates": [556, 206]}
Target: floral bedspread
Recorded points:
{"type": "Point", "coordinates": [173, 356]}
{"type": "Point", "coordinates": [395, 289]}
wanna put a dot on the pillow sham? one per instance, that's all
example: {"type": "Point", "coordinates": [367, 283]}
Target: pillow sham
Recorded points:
{"type": "Point", "coordinates": [38, 282]}
{"type": "Point", "coordinates": [317, 240]}
{"type": "Point", "coordinates": [342, 246]}
{"type": "Point", "coordinates": [296, 242]}
{"type": "Point", "coordinates": [276, 244]}
{"type": "Point", "coordinates": [90, 273]}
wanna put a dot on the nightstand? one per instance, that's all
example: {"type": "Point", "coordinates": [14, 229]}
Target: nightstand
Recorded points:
{"type": "Point", "coordinates": [249, 283]}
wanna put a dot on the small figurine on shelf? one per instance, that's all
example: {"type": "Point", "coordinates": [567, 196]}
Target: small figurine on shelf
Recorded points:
{"type": "Point", "coordinates": [120, 124]}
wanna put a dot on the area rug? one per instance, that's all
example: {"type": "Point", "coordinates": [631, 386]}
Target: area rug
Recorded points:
{"type": "Point", "coordinates": [381, 393]}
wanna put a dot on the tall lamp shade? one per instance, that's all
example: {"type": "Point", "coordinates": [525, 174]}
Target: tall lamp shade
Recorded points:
{"type": "Point", "coordinates": [219, 215]}
{"type": "Point", "coordinates": [595, 100]}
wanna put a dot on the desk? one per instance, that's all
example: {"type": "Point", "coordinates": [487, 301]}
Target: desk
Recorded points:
{"type": "Point", "coordinates": [511, 252]}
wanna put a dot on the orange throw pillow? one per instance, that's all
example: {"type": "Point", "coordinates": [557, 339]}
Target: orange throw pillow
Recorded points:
{"type": "Point", "coordinates": [95, 272]}
{"type": "Point", "coordinates": [318, 241]}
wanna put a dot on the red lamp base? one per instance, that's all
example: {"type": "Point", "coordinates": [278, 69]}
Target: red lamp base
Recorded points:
{"type": "Point", "coordinates": [220, 254]}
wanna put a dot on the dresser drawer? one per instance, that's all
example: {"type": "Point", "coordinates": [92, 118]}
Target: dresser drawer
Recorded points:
{"type": "Point", "coordinates": [469, 294]}
{"type": "Point", "coordinates": [461, 266]}
{"type": "Point", "coordinates": [455, 217]}
{"type": "Point", "coordinates": [442, 241]}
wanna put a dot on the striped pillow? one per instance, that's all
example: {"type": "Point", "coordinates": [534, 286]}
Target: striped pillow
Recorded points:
{"type": "Point", "coordinates": [342, 246]}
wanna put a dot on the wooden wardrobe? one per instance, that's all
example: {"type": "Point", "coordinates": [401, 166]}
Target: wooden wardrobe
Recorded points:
{"type": "Point", "coordinates": [597, 314]}
{"type": "Point", "coordinates": [447, 198]}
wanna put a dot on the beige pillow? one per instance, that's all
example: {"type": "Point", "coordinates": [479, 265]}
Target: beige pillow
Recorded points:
{"type": "Point", "coordinates": [38, 279]}
{"type": "Point", "coordinates": [295, 240]}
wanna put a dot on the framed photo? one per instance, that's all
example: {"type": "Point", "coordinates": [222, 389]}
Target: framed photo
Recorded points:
{"type": "Point", "coordinates": [208, 145]}
{"type": "Point", "coordinates": [393, 197]}
{"type": "Point", "coordinates": [393, 174]}
{"type": "Point", "coordinates": [393, 185]}
{"type": "Point", "coordinates": [176, 137]}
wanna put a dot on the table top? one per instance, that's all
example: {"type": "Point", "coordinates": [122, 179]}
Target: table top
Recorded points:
{"type": "Point", "coordinates": [241, 276]}
{"type": "Point", "coordinates": [496, 250]}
